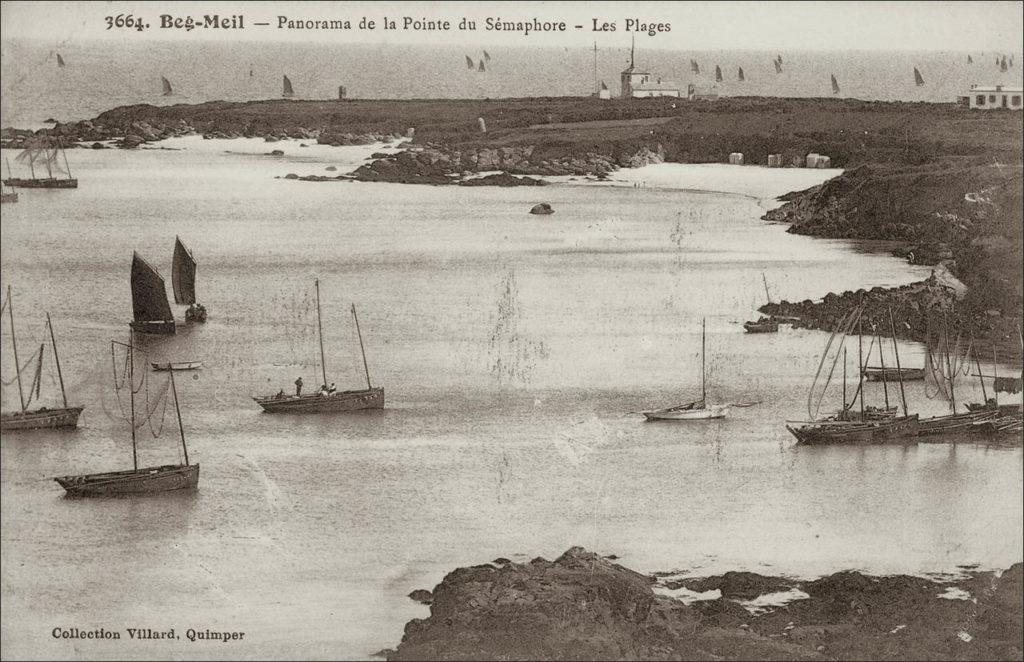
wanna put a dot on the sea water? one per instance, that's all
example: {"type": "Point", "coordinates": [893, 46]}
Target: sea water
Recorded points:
{"type": "Point", "coordinates": [513, 350]}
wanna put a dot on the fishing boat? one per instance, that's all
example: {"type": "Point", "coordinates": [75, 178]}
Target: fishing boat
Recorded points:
{"type": "Point", "coordinates": [718, 74]}
{"type": "Point", "coordinates": [60, 61]}
{"type": "Point", "coordinates": [970, 60]}
{"type": "Point", "coordinates": [902, 428]}
{"type": "Point", "coordinates": [1002, 65]}
{"type": "Point", "coordinates": [482, 67]}
{"type": "Point", "coordinates": [739, 75]}
{"type": "Point", "coordinates": [46, 154]}
{"type": "Point", "coordinates": [487, 56]}
{"type": "Point", "coordinates": [778, 66]}
{"type": "Point", "coordinates": [835, 85]}
{"type": "Point", "coordinates": [470, 64]}
{"type": "Point", "coordinates": [325, 401]}
{"type": "Point", "coordinates": [42, 417]}
{"type": "Point", "coordinates": [918, 79]}
{"type": "Point", "coordinates": [167, 86]}
{"type": "Point", "coordinates": [876, 374]}
{"type": "Point", "coordinates": [150, 310]}
{"type": "Point", "coordinates": [763, 324]}
{"type": "Point", "coordinates": [698, 409]}
{"type": "Point", "coordinates": [288, 91]}
{"type": "Point", "coordinates": [177, 365]}
{"type": "Point", "coordinates": [183, 282]}
{"type": "Point", "coordinates": [694, 67]}
{"type": "Point", "coordinates": [144, 480]}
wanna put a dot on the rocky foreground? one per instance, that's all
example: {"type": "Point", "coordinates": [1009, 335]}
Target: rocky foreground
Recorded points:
{"type": "Point", "coordinates": [585, 607]}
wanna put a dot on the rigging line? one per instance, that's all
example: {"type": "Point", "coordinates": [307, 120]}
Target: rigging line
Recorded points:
{"type": "Point", "coordinates": [27, 362]}
{"type": "Point", "coordinates": [163, 417]}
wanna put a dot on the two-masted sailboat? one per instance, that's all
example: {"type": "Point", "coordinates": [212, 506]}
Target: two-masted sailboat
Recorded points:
{"type": "Point", "coordinates": [150, 310]}
{"type": "Point", "coordinates": [43, 417]}
{"type": "Point", "coordinates": [144, 480]}
{"type": "Point", "coordinates": [698, 409]}
{"type": "Point", "coordinates": [183, 282]}
{"type": "Point", "coordinates": [324, 400]}
{"type": "Point", "coordinates": [43, 153]}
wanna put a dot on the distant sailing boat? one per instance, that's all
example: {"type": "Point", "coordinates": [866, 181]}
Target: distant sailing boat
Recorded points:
{"type": "Point", "coordinates": [698, 409]}
{"type": "Point", "coordinates": [150, 310]}
{"type": "Point", "coordinates": [482, 67]}
{"type": "Point", "coordinates": [1002, 64]}
{"type": "Point", "coordinates": [778, 66]}
{"type": "Point", "coordinates": [835, 85]}
{"type": "Point", "coordinates": [60, 61]}
{"type": "Point", "coordinates": [43, 417]}
{"type": "Point", "coordinates": [778, 58]}
{"type": "Point", "coordinates": [44, 153]}
{"type": "Point", "coordinates": [325, 401]}
{"type": "Point", "coordinates": [183, 282]}
{"type": "Point", "coordinates": [694, 67]}
{"type": "Point", "coordinates": [969, 60]}
{"type": "Point", "coordinates": [470, 64]}
{"type": "Point", "coordinates": [718, 74]}
{"type": "Point", "coordinates": [918, 79]}
{"type": "Point", "coordinates": [487, 56]}
{"type": "Point", "coordinates": [739, 74]}
{"type": "Point", "coordinates": [146, 480]}
{"type": "Point", "coordinates": [167, 86]}
{"type": "Point", "coordinates": [288, 91]}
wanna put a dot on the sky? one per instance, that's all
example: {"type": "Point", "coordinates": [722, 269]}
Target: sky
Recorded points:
{"type": "Point", "coordinates": [871, 25]}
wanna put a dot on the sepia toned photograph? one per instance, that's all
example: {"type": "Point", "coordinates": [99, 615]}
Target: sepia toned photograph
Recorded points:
{"type": "Point", "coordinates": [512, 330]}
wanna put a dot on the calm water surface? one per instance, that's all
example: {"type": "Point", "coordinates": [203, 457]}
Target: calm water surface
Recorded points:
{"type": "Point", "coordinates": [512, 349]}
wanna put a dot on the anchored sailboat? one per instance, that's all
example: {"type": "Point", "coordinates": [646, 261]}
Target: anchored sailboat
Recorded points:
{"type": "Point", "coordinates": [46, 154]}
{"type": "Point", "coordinates": [288, 91]}
{"type": "Point", "coordinates": [763, 324]}
{"type": "Point", "coordinates": [167, 86]}
{"type": "Point", "coordinates": [183, 282]}
{"type": "Point", "coordinates": [43, 417]}
{"type": "Point", "coordinates": [325, 400]}
{"type": "Point", "coordinates": [151, 312]}
{"type": "Point", "coordinates": [137, 480]}
{"type": "Point", "coordinates": [698, 409]}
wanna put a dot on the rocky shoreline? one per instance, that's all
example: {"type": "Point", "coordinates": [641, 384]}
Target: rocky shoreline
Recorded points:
{"type": "Point", "coordinates": [582, 606]}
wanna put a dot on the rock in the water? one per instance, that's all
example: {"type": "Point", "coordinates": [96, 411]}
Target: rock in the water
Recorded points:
{"type": "Point", "coordinates": [422, 596]}
{"type": "Point", "coordinates": [330, 168]}
{"type": "Point", "coordinates": [542, 208]}
{"type": "Point", "coordinates": [291, 175]}
{"type": "Point", "coordinates": [276, 152]}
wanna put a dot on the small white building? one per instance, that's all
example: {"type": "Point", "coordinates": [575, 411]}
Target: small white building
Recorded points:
{"type": "Point", "coordinates": [638, 84]}
{"type": "Point", "coordinates": [701, 93]}
{"type": "Point", "coordinates": [995, 97]}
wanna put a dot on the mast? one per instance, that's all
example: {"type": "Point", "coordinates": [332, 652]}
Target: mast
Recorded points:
{"type": "Point", "coordinates": [14, 345]}
{"type": "Point", "coordinates": [56, 360]}
{"type": "Point", "coordinates": [995, 374]}
{"type": "Point", "coordinates": [981, 378]}
{"type": "Point", "coordinates": [860, 367]}
{"type": "Point", "coordinates": [361, 350]}
{"type": "Point", "coordinates": [844, 383]}
{"type": "Point", "coordinates": [899, 369]}
{"type": "Point", "coordinates": [703, 342]}
{"type": "Point", "coordinates": [885, 382]}
{"type": "Point", "coordinates": [320, 329]}
{"type": "Point", "coordinates": [49, 171]}
{"type": "Point", "coordinates": [949, 366]}
{"type": "Point", "coordinates": [131, 394]}
{"type": "Point", "coordinates": [597, 89]}
{"type": "Point", "coordinates": [632, 50]}
{"type": "Point", "coordinates": [65, 155]}
{"type": "Point", "coordinates": [177, 410]}
{"type": "Point", "coordinates": [766, 293]}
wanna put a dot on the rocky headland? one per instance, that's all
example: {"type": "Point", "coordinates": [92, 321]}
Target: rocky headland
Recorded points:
{"type": "Point", "coordinates": [582, 606]}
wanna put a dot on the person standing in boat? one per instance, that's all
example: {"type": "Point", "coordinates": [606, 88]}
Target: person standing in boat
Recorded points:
{"type": "Point", "coordinates": [298, 387]}
{"type": "Point", "coordinates": [331, 390]}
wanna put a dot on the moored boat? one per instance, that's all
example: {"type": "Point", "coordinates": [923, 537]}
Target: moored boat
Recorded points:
{"type": "Point", "coordinates": [875, 374]}
{"type": "Point", "coordinates": [902, 429]}
{"type": "Point", "coordinates": [178, 365]}
{"type": "Point", "coordinates": [43, 153]}
{"type": "Point", "coordinates": [764, 324]}
{"type": "Point", "coordinates": [698, 409]}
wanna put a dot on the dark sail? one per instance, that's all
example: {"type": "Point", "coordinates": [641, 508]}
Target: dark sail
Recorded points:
{"type": "Point", "coordinates": [470, 64]}
{"type": "Point", "coordinates": [487, 56]}
{"type": "Point", "coordinates": [969, 60]}
{"type": "Point", "coordinates": [694, 67]}
{"type": "Point", "coordinates": [183, 274]}
{"type": "Point", "coordinates": [718, 73]}
{"type": "Point", "coordinates": [603, 86]}
{"type": "Point", "coordinates": [60, 61]}
{"type": "Point", "coordinates": [167, 86]}
{"type": "Point", "coordinates": [917, 77]}
{"type": "Point", "coordinates": [778, 59]}
{"type": "Point", "coordinates": [1002, 64]}
{"type": "Point", "coordinates": [149, 296]}
{"type": "Point", "coordinates": [835, 85]}
{"type": "Point", "coordinates": [739, 75]}
{"type": "Point", "coordinates": [778, 67]}
{"type": "Point", "coordinates": [482, 68]}
{"type": "Point", "coordinates": [288, 91]}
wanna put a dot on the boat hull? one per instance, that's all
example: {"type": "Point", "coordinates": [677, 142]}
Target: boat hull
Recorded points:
{"type": "Point", "coordinates": [898, 430]}
{"type": "Point", "coordinates": [696, 414]}
{"type": "Point", "coordinates": [133, 481]}
{"type": "Point", "coordinates": [766, 327]}
{"type": "Point", "coordinates": [8, 197]}
{"type": "Point", "coordinates": [342, 401]}
{"type": "Point", "coordinates": [893, 374]}
{"type": "Point", "coordinates": [154, 327]}
{"type": "Point", "coordinates": [180, 365]}
{"type": "Point", "coordinates": [955, 423]}
{"type": "Point", "coordinates": [65, 417]}
{"type": "Point", "coordinates": [48, 182]}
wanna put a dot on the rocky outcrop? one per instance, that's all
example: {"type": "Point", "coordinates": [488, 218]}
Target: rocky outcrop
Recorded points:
{"type": "Point", "coordinates": [584, 607]}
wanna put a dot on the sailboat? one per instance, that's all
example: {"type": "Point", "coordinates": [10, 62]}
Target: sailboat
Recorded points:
{"type": "Point", "coordinates": [43, 417]}
{"type": "Point", "coordinates": [44, 153]}
{"type": "Point", "coordinates": [60, 61]}
{"type": "Point", "coordinates": [698, 409]}
{"type": "Point", "coordinates": [482, 67]}
{"type": "Point", "coordinates": [778, 66]}
{"type": "Point", "coordinates": [694, 67]}
{"type": "Point", "coordinates": [835, 85]}
{"type": "Point", "coordinates": [739, 75]}
{"type": "Point", "coordinates": [1002, 64]}
{"type": "Point", "coordinates": [718, 74]}
{"type": "Point", "coordinates": [970, 60]}
{"type": "Point", "coordinates": [764, 324]}
{"type": "Point", "coordinates": [137, 480]}
{"type": "Point", "coordinates": [470, 64]}
{"type": "Point", "coordinates": [288, 91]}
{"type": "Point", "coordinates": [918, 79]}
{"type": "Point", "coordinates": [325, 401]}
{"type": "Point", "coordinates": [150, 310]}
{"type": "Point", "coordinates": [487, 56]}
{"type": "Point", "coordinates": [183, 282]}
{"type": "Point", "coordinates": [167, 86]}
